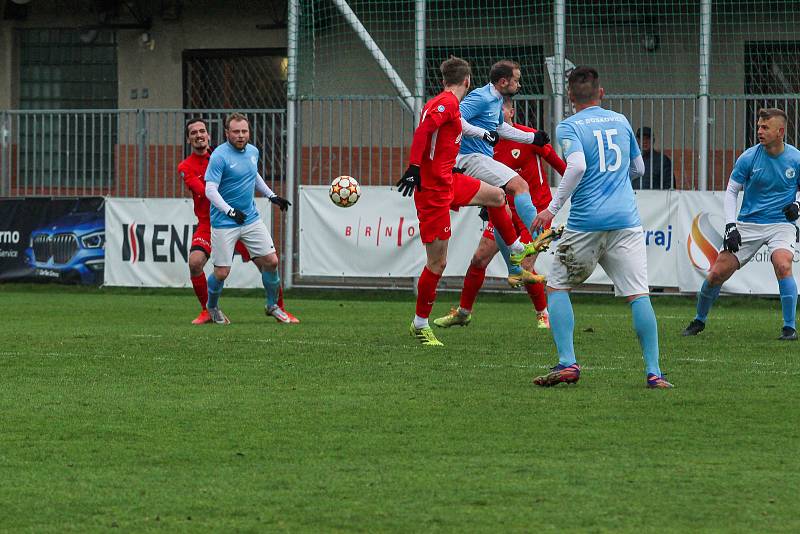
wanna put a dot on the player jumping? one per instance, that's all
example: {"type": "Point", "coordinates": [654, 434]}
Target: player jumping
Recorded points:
{"type": "Point", "coordinates": [481, 111]}
{"type": "Point", "coordinates": [769, 174]}
{"type": "Point", "coordinates": [603, 226]}
{"type": "Point", "coordinates": [526, 160]}
{"type": "Point", "coordinates": [437, 189]}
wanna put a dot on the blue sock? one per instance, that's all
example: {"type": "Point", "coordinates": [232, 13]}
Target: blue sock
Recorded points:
{"type": "Point", "coordinates": [505, 251]}
{"type": "Point", "coordinates": [214, 290]}
{"type": "Point", "coordinates": [562, 325]}
{"type": "Point", "coordinates": [644, 322]}
{"type": "Point", "coordinates": [788, 289]}
{"type": "Point", "coordinates": [525, 208]}
{"type": "Point", "coordinates": [705, 299]}
{"type": "Point", "coordinates": [272, 285]}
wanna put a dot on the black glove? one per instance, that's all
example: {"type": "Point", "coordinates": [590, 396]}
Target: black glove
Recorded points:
{"type": "Point", "coordinates": [236, 215]}
{"type": "Point", "coordinates": [459, 170]}
{"type": "Point", "coordinates": [540, 138]}
{"type": "Point", "coordinates": [484, 214]}
{"type": "Point", "coordinates": [411, 179]}
{"type": "Point", "coordinates": [491, 137]}
{"type": "Point", "coordinates": [792, 211]}
{"type": "Point", "coordinates": [281, 202]}
{"type": "Point", "coordinates": [733, 240]}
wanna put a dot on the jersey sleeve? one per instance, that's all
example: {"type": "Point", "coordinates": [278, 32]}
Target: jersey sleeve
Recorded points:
{"type": "Point", "coordinates": [634, 148]}
{"type": "Point", "coordinates": [194, 183]}
{"type": "Point", "coordinates": [471, 106]}
{"type": "Point", "coordinates": [742, 167]}
{"type": "Point", "coordinates": [568, 139]}
{"type": "Point", "coordinates": [215, 167]}
{"type": "Point", "coordinates": [432, 119]}
{"type": "Point", "coordinates": [548, 153]}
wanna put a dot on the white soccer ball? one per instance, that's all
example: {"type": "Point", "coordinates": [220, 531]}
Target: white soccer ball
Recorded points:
{"type": "Point", "coordinates": [345, 191]}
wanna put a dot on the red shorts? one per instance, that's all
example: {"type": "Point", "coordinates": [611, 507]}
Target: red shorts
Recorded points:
{"type": "Point", "coordinates": [201, 240]}
{"type": "Point", "coordinates": [522, 231]}
{"type": "Point", "coordinates": [433, 206]}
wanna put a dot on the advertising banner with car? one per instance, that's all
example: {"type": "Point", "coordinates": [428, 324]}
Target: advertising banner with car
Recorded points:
{"type": "Point", "coordinates": [58, 239]}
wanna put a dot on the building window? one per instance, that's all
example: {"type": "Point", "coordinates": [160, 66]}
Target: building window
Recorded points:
{"type": "Point", "coordinates": [60, 70]}
{"type": "Point", "coordinates": [235, 79]}
{"type": "Point", "coordinates": [771, 69]}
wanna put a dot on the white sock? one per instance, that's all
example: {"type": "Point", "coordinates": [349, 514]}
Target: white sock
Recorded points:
{"type": "Point", "coordinates": [420, 322]}
{"type": "Point", "coordinates": [517, 247]}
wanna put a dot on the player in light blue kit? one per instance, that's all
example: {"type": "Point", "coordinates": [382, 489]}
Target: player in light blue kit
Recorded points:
{"type": "Point", "coordinates": [231, 180]}
{"type": "Point", "coordinates": [769, 174]}
{"type": "Point", "coordinates": [603, 226]}
{"type": "Point", "coordinates": [484, 125]}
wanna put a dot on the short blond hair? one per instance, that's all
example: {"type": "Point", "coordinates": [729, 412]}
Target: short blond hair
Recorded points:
{"type": "Point", "coordinates": [235, 117]}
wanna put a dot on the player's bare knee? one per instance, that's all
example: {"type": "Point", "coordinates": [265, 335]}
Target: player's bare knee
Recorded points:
{"type": "Point", "coordinates": [221, 273]}
{"type": "Point", "coordinates": [437, 266]}
{"type": "Point", "coordinates": [480, 261]}
{"type": "Point", "coordinates": [268, 263]}
{"type": "Point", "coordinates": [516, 186]}
{"type": "Point", "coordinates": [196, 264]}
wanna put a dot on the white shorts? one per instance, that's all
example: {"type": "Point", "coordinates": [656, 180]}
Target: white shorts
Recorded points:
{"type": "Point", "coordinates": [621, 254]}
{"type": "Point", "coordinates": [254, 236]}
{"type": "Point", "coordinates": [754, 236]}
{"type": "Point", "coordinates": [485, 169]}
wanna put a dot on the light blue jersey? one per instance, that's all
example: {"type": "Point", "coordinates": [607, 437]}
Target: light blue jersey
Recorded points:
{"type": "Point", "coordinates": [483, 107]}
{"type": "Point", "coordinates": [770, 183]}
{"type": "Point", "coordinates": [604, 198]}
{"type": "Point", "coordinates": [235, 171]}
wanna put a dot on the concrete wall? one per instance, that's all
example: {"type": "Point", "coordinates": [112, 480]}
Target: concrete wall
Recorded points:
{"type": "Point", "coordinates": [158, 65]}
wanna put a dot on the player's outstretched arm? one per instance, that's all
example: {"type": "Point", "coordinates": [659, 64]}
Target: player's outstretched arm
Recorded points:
{"type": "Point", "coordinates": [576, 167]}
{"type": "Point", "coordinates": [538, 138]}
{"type": "Point", "coordinates": [263, 188]}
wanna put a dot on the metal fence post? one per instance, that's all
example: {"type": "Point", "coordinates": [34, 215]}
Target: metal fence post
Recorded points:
{"type": "Point", "coordinates": [291, 141]}
{"type": "Point", "coordinates": [5, 156]}
{"type": "Point", "coordinates": [141, 152]}
{"type": "Point", "coordinates": [559, 45]}
{"type": "Point", "coordinates": [703, 86]}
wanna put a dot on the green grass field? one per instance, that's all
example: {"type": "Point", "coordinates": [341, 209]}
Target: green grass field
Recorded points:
{"type": "Point", "coordinates": [116, 412]}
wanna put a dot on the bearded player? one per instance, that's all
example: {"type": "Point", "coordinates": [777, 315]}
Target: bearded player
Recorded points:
{"type": "Point", "coordinates": [526, 161]}
{"type": "Point", "coordinates": [192, 170]}
{"type": "Point", "coordinates": [437, 189]}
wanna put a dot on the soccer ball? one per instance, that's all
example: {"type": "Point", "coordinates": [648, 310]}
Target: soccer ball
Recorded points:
{"type": "Point", "coordinates": [345, 191]}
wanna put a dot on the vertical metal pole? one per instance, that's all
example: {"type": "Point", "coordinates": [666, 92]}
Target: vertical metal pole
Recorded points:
{"type": "Point", "coordinates": [702, 115]}
{"type": "Point", "coordinates": [5, 155]}
{"type": "Point", "coordinates": [141, 152]}
{"type": "Point", "coordinates": [559, 51]}
{"type": "Point", "coordinates": [291, 141]}
{"type": "Point", "coordinates": [419, 58]}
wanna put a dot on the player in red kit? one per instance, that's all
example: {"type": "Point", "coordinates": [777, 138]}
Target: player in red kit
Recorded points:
{"type": "Point", "coordinates": [437, 190]}
{"type": "Point", "coordinates": [526, 160]}
{"type": "Point", "coordinates": [192, 170]}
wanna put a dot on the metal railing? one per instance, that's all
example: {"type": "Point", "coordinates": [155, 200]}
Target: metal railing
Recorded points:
{"type": "Point", "coordinates": [136, 152]}
{"type": "Point", "coordinates": [117, 152]}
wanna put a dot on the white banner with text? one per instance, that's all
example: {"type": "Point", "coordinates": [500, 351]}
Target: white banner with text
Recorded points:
{"type": "Point", "coordinates": [148, 242]}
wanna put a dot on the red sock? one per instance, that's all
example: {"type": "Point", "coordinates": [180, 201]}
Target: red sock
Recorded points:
{"type": "Point", "coordinates": [502, 222]}
{"type": "Point", "coordinates": [200, 285]}
{"type": "Point", "coordinates": [536, 293]}
{"type": "Point", "coordinates": [280, 297]}
{"type": "Point", "coordinates": [426, 291]}
{"type": "Point", "coordinates": [472, 284]}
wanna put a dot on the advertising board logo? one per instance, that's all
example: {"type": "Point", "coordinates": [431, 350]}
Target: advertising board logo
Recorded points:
{"type": "Point", "coordinates": [159, 243]}
{"type": "Point", "coordinates": [703, 242]}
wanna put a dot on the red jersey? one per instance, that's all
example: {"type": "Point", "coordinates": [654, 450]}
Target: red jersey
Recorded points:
{"type": "Point", "coordinates": [193, 172]}
{"type": "Point", "coordinates": [437, 140]}
{"type": "Point", "coordinates": [527, 161]}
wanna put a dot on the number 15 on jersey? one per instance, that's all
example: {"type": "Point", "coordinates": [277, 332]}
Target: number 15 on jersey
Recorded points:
{"type": "Point", "coordinates": [601, 150]}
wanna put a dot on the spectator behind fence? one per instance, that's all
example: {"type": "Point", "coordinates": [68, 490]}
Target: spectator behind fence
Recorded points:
{"type": "Point", "coordinates": [657, 166]}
